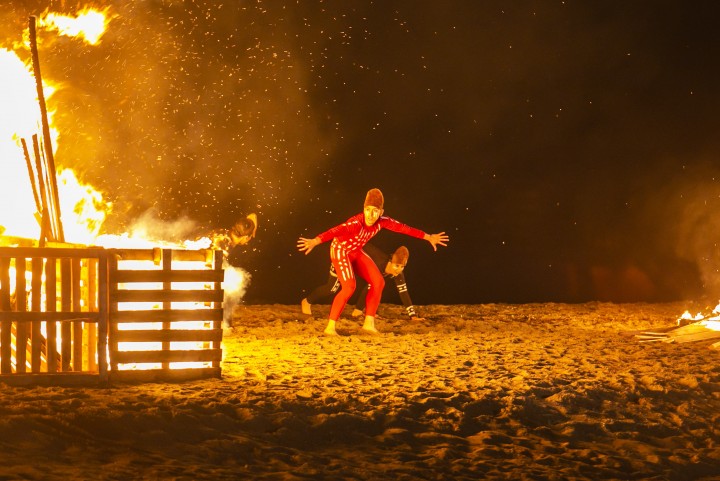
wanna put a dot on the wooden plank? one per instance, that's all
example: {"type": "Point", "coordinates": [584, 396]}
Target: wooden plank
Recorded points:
{"type": "Point", "coordinates": [219, 260]}
{"type": "Point", "coordinates": [133, 254]}
{"type": "Point", "coordinates": [53, 379]}
{"type": "Point", "coordinates": [113, 306]}
{"type": "Point", "coordinates": [66, 303]}
{"type": "Point", "coordinates": [46, 252]}
{"type": "Point", "coordinates": [693, 337]}
{"type": "Point", "coordinates": [160, 315]}
{"type": "Point", "coordinates": [103, 318]}
{"type": "Point", "coordinates": [152, 255]}
{"type": "Point", "coordinates": [162, 295]}
{"type": "Point", "coordinates": [91, 328]}
{"type": "Point", "coordinates": [164, 375]}
{"type": "Point", "coordinates": [167, 268]}
{"type": "Point", "coordinates": [38, 340]}
{"type": "Point", "coordinates": [688, 329]}
{"type": "Point", "coordinates": [77, 327]}
{"type": "Point", "coordinates": [141, 357]}
{"type": "Point", "coordinates": [22, 333]}
{"type": "Point", "coordinates": [170, 335]}
{"type": "Point", "coordinates": [202, 255]}
{"type": "Point", "coordinates": [53, 359]}
{"type": "Point", "coordinates": [129, 276]}
{"type": "Point", "coordinates": [38, 316]}
{"type": "Point", "coordinates": [5, 326]}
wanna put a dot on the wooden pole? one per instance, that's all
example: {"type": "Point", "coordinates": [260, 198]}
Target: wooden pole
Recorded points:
{"type": "Point", "coordinates": [46, 129]}
{"type": "Point", "coordinates": [45, 227]}
{"type": "Point", "coordinates": [31, 174]}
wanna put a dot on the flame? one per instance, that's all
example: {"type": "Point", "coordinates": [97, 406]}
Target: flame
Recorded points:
{"type": "Point", "coordinates": [19, 118]}
{"type": "Point", "coordinates": [83, 208]}
{"type": "Point", "coordinates": [710, 321]}
{"type": "Point", "coordinates": [89, 24]}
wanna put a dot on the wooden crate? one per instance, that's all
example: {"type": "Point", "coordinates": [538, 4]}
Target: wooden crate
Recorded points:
{"type": "Point", "coordinates": [71, 324]}
{"type": "Point", "coordinates": [53, 315]}
{"type": "Point", "coordinates": [143, 339]}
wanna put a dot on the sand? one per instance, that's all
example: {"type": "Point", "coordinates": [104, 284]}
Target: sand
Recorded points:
{"type": "Point", "coordinates": [541, 392]}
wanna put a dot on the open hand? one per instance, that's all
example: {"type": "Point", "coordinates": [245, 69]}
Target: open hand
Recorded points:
{"type": "Point", "coordinates": [437, 239]}
{"type": "Point", "coordinates": [306, 245]}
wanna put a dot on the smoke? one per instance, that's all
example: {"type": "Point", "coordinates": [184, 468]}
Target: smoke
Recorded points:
{"type": "Point", "coordinates": [698, 233]}
{"type": "Point", "coordinates": [235, 284]}
{"type": "Point", "coordinates": [204, 110]}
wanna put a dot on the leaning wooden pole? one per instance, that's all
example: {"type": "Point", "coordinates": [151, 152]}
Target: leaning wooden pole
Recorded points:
{"type": "Point", "coordinates": [31, 174]}
{"type": "Point", "coordinates": [45, 227]}
{"type": "Point", "coordinates": [47, 143]}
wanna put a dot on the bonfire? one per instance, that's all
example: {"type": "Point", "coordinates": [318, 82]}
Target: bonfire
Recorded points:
{"type": "Point", "coordinates": [73, 301]}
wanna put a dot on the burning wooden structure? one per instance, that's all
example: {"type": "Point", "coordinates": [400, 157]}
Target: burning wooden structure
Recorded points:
{"type": "Point", "coordinates": [82, 316]}
{"type": "Point", "coordinates": [74, 313]}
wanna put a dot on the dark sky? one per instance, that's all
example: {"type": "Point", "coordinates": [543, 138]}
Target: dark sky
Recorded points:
{"type": "Point", "coordinates": [569, 148]}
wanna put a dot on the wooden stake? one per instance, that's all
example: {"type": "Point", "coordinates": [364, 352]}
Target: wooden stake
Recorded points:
{"type": "Point", "coordinates": [45, 230]}
{"type": "Point", "coordinates": [31, 174]}
{"type": "Point", "coordinates": [46, 130]}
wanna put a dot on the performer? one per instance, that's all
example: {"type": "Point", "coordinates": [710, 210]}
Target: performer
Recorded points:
{"type": "Point", "coordinates": [348, 257]}
{"type": "Point", "coordinates": [389, 266]}
{"type": "Point", "coordinates": [240, 234]}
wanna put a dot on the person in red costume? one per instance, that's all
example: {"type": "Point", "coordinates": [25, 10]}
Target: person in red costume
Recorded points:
{"type": "Point", "coordinates": [348, 257]}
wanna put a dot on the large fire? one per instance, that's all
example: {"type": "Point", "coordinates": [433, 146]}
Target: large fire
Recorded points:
{"type": "Point", "coordinates": [82, 209]}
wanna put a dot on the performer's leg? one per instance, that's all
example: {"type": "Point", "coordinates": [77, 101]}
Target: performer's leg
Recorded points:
{"type": "Point", "coordinates": [346, 276]}
{"type": "Point", "coordinates": [321, 292]}
{"type": "Point", "coordinates": [362, 290]}
{"type": "Point", "coordinates": [367, 269]}
{"type": "Point", "coordinates": [347, 287]}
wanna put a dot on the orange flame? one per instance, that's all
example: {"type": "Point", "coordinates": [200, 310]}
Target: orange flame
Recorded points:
{"type": "Point", "coordinates": [89, 24]}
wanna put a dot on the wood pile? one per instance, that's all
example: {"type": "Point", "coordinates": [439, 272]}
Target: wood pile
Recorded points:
{"type": "Point", "coordinates": [692, 332]}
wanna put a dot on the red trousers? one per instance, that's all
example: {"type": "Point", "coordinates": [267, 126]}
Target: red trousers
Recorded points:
{"type": "Point", "coordinates": [346, 265]}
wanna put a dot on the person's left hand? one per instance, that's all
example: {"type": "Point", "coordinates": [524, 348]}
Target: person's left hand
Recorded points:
{"type": "Point", "coordinates": [437, 239]}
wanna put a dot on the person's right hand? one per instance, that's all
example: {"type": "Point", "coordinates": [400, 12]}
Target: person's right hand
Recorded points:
{"type": "Point", "coordinates": [306, 245]}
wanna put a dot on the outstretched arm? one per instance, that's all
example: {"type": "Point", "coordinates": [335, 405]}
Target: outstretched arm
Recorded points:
{"type": "Point", "coordinates": [306, 245]}
{"type": "Point", "coordinates": [437, 239]}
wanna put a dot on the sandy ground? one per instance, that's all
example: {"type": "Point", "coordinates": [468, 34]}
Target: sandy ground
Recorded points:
{"type": "Point", "coordinates": [540, 392]}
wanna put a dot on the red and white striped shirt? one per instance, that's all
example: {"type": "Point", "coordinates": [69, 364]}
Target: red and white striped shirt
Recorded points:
{"type": "Point", "coordinates": [353, 234]}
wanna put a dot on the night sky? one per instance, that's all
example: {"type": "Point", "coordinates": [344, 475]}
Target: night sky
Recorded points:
{"type": "Point", "coordinates": [569, 148]}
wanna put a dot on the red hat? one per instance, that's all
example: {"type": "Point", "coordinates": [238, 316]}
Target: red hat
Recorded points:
{"type": "Point", "coordinates": [374, 198]}
{"type": "Point", "coordinates": [400, 256]}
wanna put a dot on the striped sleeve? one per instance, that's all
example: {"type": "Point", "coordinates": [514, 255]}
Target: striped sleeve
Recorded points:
{"type": "Point", "coordinates": [345, 229]}
{"type": "Point", "coordinates": [395, 226]}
